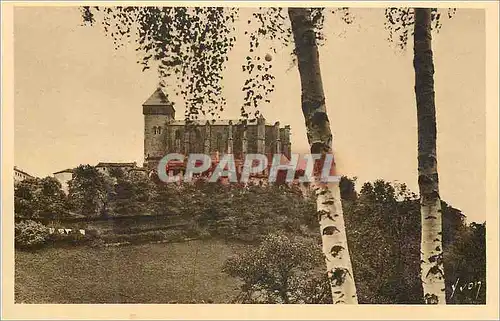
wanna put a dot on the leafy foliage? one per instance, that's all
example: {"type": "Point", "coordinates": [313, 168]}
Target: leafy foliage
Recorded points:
{"type": "Point", "coordinates": [384, 242]}
{"type": "Point", "coordinates": [383, 226]}
{"type": "Point", "coordinates": [89, 191]}
{"type": "Point", "coordinates": [39, 198]}
{"type": "Point", "coordinates": [189, 47]}
{"type": "Point", "coordinates": [400, 20]}
{"type": "Point", "coordinates": [269, 32]}
{"type": "Point", "coordinates": [132, 195]}
{"type": "Point", "coordinates": [260, 210]}
{"type": "Point", "coordinates": [466, 258]}
{"type": "Point", "coordinates": [268, 26]}
{"type": "Point", "coordinates": [279, 270]}
{"type": "Point", "coordinates": [382, 220]}
{"type": "Point", "coordinates": [30, 234]}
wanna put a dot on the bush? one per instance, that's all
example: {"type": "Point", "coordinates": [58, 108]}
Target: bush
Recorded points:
{"type": "Point", "coordinates": [280, 270]}
{"type": "Point", "coordinates": [30, 234]}
{"type": "Point", "coordinates": [39, 199]}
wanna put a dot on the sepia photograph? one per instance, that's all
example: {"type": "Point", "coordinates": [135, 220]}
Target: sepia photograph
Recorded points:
{"type": "Point", "coordinates": [212, 153]}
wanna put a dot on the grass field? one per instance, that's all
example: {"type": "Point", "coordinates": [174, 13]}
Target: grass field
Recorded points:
{"type": "Point", "coordinates": [150, 273]}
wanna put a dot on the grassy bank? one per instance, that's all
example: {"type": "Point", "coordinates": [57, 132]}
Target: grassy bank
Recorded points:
{"type": "Point", "coordinates": [149, 273]}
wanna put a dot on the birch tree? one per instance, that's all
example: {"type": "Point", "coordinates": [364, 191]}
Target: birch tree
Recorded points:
{"type": "Point", "coordinates": [329, 206]}
{"type": "Point", "coordinates": [191, 45]}
{"type": "Point", "coordinates": [431, 247]}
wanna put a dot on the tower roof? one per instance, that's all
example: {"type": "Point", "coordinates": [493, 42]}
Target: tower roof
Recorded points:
{"type": "Point", "coordinates": [158, 104]}
{"type": "Point", "coordinates": [158, 98]}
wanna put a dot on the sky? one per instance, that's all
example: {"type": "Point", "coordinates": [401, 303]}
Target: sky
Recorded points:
{"type": "Point", "coordinates": [78, 100]}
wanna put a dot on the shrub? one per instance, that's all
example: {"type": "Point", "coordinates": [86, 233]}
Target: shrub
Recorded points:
{"type": "Point", "coordinates": [280, 270]}
{"type": "Point", "coordinates": [30, 234]}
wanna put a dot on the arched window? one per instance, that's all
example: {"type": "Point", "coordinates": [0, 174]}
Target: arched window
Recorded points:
{"type": "Point", "coordinates": [195, 141]}
{"type": "Point", "coordinates": [158, 130]}
{"type": "Point", "coordinates": [154, 130]}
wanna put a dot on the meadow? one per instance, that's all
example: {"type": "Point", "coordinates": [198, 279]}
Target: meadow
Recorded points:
{"type": "Point", "coordinates": [148, 273]}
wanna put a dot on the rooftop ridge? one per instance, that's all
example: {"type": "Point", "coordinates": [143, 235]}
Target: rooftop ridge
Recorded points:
{"type": "Point", "coordinates": [157, 98]}
{"type": "Point", "coordinates": [233, 121]}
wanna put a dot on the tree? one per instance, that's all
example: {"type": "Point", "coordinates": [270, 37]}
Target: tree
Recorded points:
{"type": "Point", "coordinates": [40, 198]}
{"type": "Point", "coordinates": [431, 246]}
{"type": "Point", "coordinates": [132, 194]}
{"type": "Point", "coordinates": [383, 234]}
{"type": "Point", "coordinates": [89, 191]}
{"type": "Point", "coordinates": [191, 44]}
{"type": "Point", "coordinates": [465, 263]}
{"type": "Point", "coordinates": [329, 206]}
{"type": "Point", "coordinates": [279, 270]}
{"type": "Point", "coordinates": [432, 268]}
{"type": "Point", "coordinates": [383, 225]}
{"type": "Point", "coordinates": [347, 188]}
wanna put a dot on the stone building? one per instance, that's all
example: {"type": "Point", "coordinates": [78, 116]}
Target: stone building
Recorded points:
{"type": "Point", "coordinates": [164, 134]}
{"type": "Point", "coordinates": [64, 177]}
{"type": "Point", "coordinates": [20, 175]}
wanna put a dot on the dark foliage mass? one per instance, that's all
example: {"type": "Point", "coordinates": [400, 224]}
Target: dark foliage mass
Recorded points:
{"type": "Point", "coordinates": [280, 270]}
{"type": "Point", "coordinates": [40, 198]}
{"type": "Point", "coordinates": [382, 222]}
{"type": "Point", "coordinates": [383, 226]}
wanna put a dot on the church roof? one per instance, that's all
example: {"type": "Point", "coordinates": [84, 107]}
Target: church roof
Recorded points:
{"type": "Point", "coordinates": [158, 98]}
{"type": "Point", "coordinates": [217, 122]}
{"type": "Point", "coordinates": [102, 164]}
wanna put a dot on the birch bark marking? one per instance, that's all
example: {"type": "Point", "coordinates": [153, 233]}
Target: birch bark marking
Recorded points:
{"type": "Point", "coordinates": [329, 207]}
{"type": "Point", "coordinates": [432, 271]}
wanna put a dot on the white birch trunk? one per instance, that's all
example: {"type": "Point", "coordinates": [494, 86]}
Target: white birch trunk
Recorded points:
{"type": "Point", "coordinates": [432, 269]}
{"type": "Point", "coordinates": [334, 239]}
{"type": "Point", "coordinates": [329, 206]}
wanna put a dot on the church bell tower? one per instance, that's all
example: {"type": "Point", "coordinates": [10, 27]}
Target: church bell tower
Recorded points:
{"type": "Point", "coordinates": [157, 111]}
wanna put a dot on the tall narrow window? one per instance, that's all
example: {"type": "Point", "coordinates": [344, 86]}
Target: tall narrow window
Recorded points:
{"type": "Point", "coordinates": [195, 141]}
{"type": "Point", "coordinates": [220, 149]}
{"type": "Point", "coordinates": [159, 130]}
{"type": "Point", "coordinates": [177, 141]}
